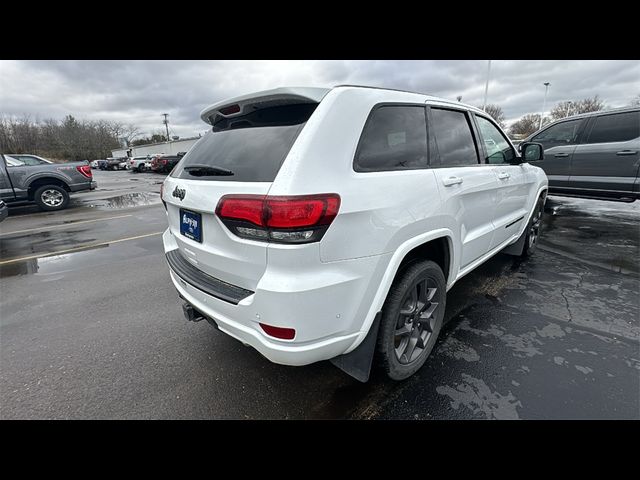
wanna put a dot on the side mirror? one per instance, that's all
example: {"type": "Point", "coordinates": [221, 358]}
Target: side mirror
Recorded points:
{"type": "Point", "coordinates": [532, 152]}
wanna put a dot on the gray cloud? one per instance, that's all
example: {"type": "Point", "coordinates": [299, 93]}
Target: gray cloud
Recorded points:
{"type": "Point", "coordinates": [140, 91]}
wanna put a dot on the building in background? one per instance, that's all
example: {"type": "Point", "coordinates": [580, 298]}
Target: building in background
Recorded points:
{"type": "Point", "coordinates": [167, 148]}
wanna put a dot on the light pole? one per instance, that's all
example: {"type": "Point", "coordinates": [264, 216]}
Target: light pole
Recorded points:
{"type": "Point", "coordinates": [486, 86]}
{"type": "Point", "coordinates": [544, 103]}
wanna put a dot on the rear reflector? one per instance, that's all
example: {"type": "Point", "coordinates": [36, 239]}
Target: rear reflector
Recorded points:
{"type": "Point", "coordinates": [284, 219]}
{"type": "Point", "coordinates": [279, 332]}
{"type": "Point", "coordinates": [85, 170]}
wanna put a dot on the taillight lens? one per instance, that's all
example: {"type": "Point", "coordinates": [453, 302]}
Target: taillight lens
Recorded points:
{"type": "Point", "coordinates": [281, 219]}
{"type": "Point", "coordinates": [85, 170]}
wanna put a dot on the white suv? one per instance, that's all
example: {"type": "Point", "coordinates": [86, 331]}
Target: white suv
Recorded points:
{"type": "Point", "coordinates": [317, 224]}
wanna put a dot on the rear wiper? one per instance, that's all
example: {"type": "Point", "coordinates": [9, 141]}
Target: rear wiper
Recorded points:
{"type": "Point", "coordinates": [206, 170]}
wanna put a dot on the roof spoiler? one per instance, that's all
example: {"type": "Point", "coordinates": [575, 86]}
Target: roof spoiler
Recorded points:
{"type": "Point", "coordinates": [237, 106]}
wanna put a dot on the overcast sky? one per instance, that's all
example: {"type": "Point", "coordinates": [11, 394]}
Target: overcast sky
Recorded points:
{"type": "Point", "coordinates": [140, 91]}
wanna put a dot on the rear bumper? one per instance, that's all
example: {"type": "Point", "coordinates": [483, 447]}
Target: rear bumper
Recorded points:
{"type": "Point", "coordinates": [79, 187]}
{"type": "Point", "coordinates": [327, 307]}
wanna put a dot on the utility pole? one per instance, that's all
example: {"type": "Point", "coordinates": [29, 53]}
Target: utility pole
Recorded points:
{"type": "Point", "coordinates": [486, 86]}
{"type": "Point", "coordinates": [544, 103]}
{"type": "Point", "coordinates": [166, 124]}
{"type": "Point", "coordinates": [568, 108]}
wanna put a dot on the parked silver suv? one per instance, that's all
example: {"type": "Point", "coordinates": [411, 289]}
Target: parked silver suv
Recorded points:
{"type": "Point", "coordinates": [593, 155]}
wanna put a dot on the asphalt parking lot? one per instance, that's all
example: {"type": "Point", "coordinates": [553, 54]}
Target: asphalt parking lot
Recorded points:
{"type": "Point", "coordinates": [91, 327]}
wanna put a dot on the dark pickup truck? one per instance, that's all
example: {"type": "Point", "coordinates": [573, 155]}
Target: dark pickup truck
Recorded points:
{"type": "Point", "coordinates": [29, 178]}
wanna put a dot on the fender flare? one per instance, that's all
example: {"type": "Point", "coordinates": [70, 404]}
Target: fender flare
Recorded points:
{"type": "Point", "coordinates": [392, 270]}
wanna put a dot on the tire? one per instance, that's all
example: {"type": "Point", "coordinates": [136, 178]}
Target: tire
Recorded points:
{"type": "Point", "coordinates": [141, 168]}
{"type": "Point", "coordinates": [413, 308]}
{"type": "Point", "coordinates": [533, 230]}
{"type": "Point", "coordinates": [51, 198]}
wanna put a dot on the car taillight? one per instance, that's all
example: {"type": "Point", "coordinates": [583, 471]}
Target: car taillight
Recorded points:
{"type": "Point", "coordinates": [164, 162]}
{"type": "Point", "coordinates": [280, 219]}
{"type": "Point", "coordinates": [85, 170]}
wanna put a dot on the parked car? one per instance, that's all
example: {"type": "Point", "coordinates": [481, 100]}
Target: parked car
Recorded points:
{"type": "Point", "coordinates": [47, 184]}
{"type": "Point", "coordinates": [124, 165]}
{"type": "Point", "coordinates": [4, 210]}
{"type": "Point", "coordinates": [593, 155]}
{"type": "Point", "coordinates": [113, 163]}
{"type": "Point", "coordinates": [165, 163]}
{"type": "Point", "coordinates": [94, 164]}
{"type": "Point", "coordinates": [102, 164]}
{"type": "Point", "coordinates": [288, 241]}
{"type": "Point", "coordinates": [140, 164]}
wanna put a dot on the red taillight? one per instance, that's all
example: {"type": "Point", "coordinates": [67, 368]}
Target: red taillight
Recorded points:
{"type": "Point", "coordinates": [85, 170]}
{"type": "Point", "coordinates": [288, 219]}
{"type": "Point", "coordinates": [242, 207]}
{"type": "Point", "coordinates": [279, 332]}
{"type": "Point", "coordinates": [164, 162]}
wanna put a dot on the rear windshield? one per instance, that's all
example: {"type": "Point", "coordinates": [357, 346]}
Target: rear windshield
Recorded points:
{"type": "Point", "coordinates": [252, 146]}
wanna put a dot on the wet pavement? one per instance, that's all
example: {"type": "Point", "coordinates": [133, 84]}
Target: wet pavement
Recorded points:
{"type": "Point", "coordinates": [97, 330]}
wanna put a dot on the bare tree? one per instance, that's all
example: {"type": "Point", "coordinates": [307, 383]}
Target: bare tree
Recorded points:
{"type": "Point", "coordinates": [496, 113]}
{"type": "Point", "coordinates": [527, 124]}
{"type": "Point", "coordinates": [68, 139]}
{"type": "Point", "coordinates": [569, 108]}
{"type": "Point", "coordinates": [635, 102]}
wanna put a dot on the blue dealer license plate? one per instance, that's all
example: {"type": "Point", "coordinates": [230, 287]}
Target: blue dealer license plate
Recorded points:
{"type": "Point", "coordinates": [191, 225]}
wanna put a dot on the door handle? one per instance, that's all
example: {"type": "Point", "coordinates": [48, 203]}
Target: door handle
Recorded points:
{"type": "Point", "coordinates": [561, 155]}
{"type": "Point", "coordinates": [626, 152]}
{"type": "Point", "coordinates": [503, 175]}
{"type": "Point", "coordinates": [451, 181]}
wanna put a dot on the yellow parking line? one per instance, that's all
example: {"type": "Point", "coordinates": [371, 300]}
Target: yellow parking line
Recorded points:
{"type": "Point", "coordinates": [71, 224]}
{"type": "Point", "coordinates": [75, 249]}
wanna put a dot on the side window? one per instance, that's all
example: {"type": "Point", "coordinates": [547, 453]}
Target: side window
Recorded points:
{"type": "Point", "coordinates": [497, 147]}
{"type": "Point", "coordinates": [30, 161]}
{"type": "Point", "coordinates": [565, 133]}
{"type": "Point", "coordinates": [13, 162]}
{"type": "Point", "coordinates": [394, 138]}
{"type": "Point", "coordinates": [452, 131]}
{"type": "Point", "coordinates": [619, 127]}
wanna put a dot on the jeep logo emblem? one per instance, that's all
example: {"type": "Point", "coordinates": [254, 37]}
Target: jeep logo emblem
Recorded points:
{"type": "Point", "coordinates": [179, 193]}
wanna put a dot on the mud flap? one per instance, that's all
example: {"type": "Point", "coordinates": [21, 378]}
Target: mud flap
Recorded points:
{"type": "Point", "coordinates": [518, 247]}
{"type": "Point", "coordinates": [357, 363]}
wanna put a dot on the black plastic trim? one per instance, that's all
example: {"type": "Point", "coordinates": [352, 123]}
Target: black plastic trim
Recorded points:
{"type": "Point", "coordinates": [514, 222]}
{"type": "Point", "coordinates": [204, 282]}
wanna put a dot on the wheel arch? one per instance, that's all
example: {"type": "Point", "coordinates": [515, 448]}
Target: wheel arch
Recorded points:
{"type": "Point", "coordinates": [409, 250]}
{"type": "Point", "coordinates": [42, 181]}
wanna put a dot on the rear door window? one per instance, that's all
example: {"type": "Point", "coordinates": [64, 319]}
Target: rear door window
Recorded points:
{"type": "Point", "coordinates": [619, 127]}
{"type": "Point", "coordinates": [252, 146]}
{"type": "Point", "coordinates": [394, 138]}
{"type": "Point", "coordinates": [453, 136]}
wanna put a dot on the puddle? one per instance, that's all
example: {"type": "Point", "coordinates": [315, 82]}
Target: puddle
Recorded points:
{"type": "Point", "coordinates": [127, 200]}
{"type": "Point", "coordinates": [88, 257]}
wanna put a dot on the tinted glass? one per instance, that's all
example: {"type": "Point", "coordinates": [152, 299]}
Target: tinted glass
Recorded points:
{"type": "Point", "coordinates": [615, 128]}
{"type": "Point", "coordinates": [394, 138]}
{"type": "Point", "coordinates": [453, 136]}
{"type": "Point", "coordinates": [497, 147]}
{"type": "Point", "coordinates": [565, 133]}
{"type": "Point", "coordinates": [252, 146]}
